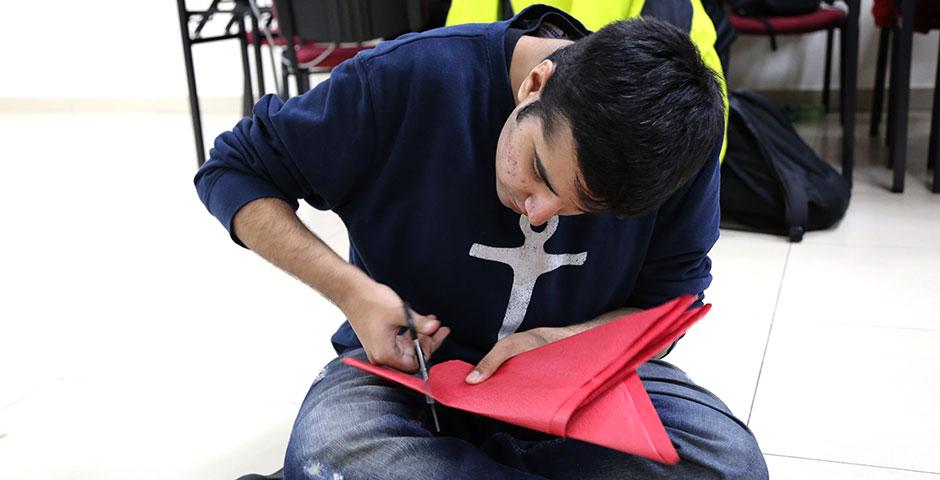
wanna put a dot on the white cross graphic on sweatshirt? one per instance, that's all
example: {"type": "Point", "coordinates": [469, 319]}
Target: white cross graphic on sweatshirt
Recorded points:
{"type": "Point", "coordinates": [528, 263]}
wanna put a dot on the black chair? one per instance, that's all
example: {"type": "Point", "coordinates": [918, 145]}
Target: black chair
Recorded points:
{"type": "Point", "coordinates": [238, 13]}
{"type": "Point", "coordinates": [826, 18]}
{"type": "Point", "coordinates": [323, 33]}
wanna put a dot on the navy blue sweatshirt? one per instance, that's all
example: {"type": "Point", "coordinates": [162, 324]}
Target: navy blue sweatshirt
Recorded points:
{"type": "Point", "coordinates": [400, 142]}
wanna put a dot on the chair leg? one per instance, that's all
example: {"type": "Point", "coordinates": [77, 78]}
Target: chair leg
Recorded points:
{"type": "Point", "coordinates": [827, 74]}
{"type": "Point", "coordinates": [892, 88]}
{"type": "Point", "coordinates": [934, 148]}
{"type": "Point", "coordinates": [843, 53]}
{"type": "Point", "coordinates": [848, 86]}
{"type": "Point", "coordinates": [299, 76]}
{"type": "Point", "coordinates": [191, 82]}
{"type": "Point", "coordinates": [303, 78]}
{"type": "Point", "coordinates": [259, 61]}
{"type": "Point", "coordinates": [933, 145]}
{"type": "Point", "coordinates": [898, 151]}
{"type": "Point", "coordinates": [248, 99]}
{"type": "Point", "coordinates": [285, 82]}
{"type": "Point", "coordinates": [881, 69]}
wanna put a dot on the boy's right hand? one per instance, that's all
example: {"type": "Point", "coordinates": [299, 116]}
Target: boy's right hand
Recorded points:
{"type": "Point", "coordinates": [376, 315]}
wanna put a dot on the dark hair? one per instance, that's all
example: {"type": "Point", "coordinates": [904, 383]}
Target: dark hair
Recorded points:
{"type": "Point", "coordinates": [645, 111]}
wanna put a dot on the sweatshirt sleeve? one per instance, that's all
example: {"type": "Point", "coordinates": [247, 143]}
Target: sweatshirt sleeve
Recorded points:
{"type": "Point", "coordinates": [316, 146]}
{"type": "Point", "coordinates": [686, 228]}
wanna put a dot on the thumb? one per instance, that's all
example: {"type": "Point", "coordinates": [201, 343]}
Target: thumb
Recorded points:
{"type": "Point", "coordinates": [489, 364]}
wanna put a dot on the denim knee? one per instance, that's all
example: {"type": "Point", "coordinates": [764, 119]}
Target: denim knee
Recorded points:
{"type": "Point", "coordinates": [743, 459]}
{"type": "Point", "coordinates": [710, 440]}
{"type": "Point", "coordinates": [348, 412]}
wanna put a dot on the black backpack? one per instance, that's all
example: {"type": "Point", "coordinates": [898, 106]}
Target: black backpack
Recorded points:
{"type": "Point", "coordinates": [771, 180]}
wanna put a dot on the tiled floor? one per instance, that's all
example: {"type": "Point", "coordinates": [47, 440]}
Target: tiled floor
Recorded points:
{"type": "Point", "coordinates": [137, 342]}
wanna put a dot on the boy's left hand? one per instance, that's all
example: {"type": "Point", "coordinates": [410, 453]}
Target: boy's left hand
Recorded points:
{"type": "Point", "coordinates": [513, 345]}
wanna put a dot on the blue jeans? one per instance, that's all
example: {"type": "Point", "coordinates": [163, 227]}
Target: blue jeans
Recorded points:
{"type": "Point", "coordinates": [353, 425]}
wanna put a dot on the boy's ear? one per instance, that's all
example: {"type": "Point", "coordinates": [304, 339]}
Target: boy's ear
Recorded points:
{"type": "Point", "coordinates": [535, 81]}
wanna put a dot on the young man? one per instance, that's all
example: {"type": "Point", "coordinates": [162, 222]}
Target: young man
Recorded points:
{"type": "Point", "coordinates": [603, 198]}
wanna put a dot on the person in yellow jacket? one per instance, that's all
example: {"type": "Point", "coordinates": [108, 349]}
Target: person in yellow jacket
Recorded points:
{"type": "Point", "coordinates": [689, 15]}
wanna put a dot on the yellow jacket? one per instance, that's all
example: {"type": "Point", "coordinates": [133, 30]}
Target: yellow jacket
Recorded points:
{"type": "Point", "coordinates": [594, 14]}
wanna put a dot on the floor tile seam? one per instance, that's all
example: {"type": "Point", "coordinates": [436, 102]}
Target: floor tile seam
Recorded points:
{"type": "Point", "coordinates": [873, 244]}
{"type": "Point", "coordinates": [14, 402]}
{"type": "Point", "coordinates": [839, 462]}
{"type": "Point", "coordinates": [770, 330]}
{"type": "Point", "coordinates": [862, 325]}
{"type": "Point", "coordinates": [32, 393]}
{"type": "Point", "coordinates": [93, 383]}
{"type": "Point", "coordinates": [919, 179]}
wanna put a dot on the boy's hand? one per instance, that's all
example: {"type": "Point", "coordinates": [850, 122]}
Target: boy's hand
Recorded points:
{"type": "Point", "coordinates": [513, 345]}
{"type": "Point", "coordinates": [376, 315]}
{"type": "Point", "coordinates": [517, 343]}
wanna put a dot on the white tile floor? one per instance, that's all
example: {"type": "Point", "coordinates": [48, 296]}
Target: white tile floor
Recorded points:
{"type": "Point", "coordinates": [137, 342]}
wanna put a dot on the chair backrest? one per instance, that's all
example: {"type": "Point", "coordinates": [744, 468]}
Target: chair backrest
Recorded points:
{"type": "Point", "coordinates": [337, 21]}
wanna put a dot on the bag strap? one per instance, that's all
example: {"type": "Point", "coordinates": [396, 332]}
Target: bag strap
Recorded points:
{"type": "Point", "coordinates": [770, 31]}
{"type": "Point", "coordinates": [797, 210]}
{"type": "Point", "coordinates": [795, 200]}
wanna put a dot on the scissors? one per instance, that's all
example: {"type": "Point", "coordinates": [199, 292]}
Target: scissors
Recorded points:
{"type": "Point", "coordinates": [424, 369]}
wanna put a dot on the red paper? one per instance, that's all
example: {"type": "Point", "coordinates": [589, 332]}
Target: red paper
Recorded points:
{"type": "Point", "coordinates": [583, 387]}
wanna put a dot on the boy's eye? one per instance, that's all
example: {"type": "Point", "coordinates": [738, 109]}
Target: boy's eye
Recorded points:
{"type": "Point", "coordinates": [535, 168]}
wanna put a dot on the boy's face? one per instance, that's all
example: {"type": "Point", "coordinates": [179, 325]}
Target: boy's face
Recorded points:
{"type": "Point", "coordinates": [537, 176]}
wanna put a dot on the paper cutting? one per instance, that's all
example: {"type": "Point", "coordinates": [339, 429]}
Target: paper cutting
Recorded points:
{"type": "Point", "coordinates": [583, 387]}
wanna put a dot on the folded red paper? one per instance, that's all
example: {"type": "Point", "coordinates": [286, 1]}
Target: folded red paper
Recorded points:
{"type": "Point", "coordinates": [583, 387]}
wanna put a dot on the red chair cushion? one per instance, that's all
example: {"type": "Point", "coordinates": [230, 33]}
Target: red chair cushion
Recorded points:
{"type": "Point", "coordinates": [822, 19]}
{"type": "Point", "coordinates": [925, 18]}
{"type": "Point", "coordinates": [309, 52]}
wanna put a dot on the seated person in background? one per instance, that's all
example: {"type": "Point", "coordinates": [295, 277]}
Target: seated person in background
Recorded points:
{"type": "Point", "coordinates": [599, 149]}
{"type": "Point", "coordinates": [704, 20]}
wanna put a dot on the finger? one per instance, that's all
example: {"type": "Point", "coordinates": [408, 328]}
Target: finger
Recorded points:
{"type": "Point", "coordinates": [430, 344]}
{"type": "Point", "coordinates": [426, 346]}
{"type": "Point", "coordinates": [427, 325]}
{"type": "Point", "coordinates": [405, 359]}
{"type": "Point", "coordinates": [394, 355]}
{"type": "Point", "coordinates": [400, 355]}
{"type": "Point", "coordinates": [424, 324]}
{"type": "Point", "coordinates": [438, 338]}
{"type": "Point", "coordinates": [491, 362]}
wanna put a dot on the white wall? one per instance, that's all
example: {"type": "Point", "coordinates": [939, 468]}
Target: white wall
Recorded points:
{"type": "Point", "coordinates": [118, 49]}
{"type": "Point", "coordinates": [109, 49]}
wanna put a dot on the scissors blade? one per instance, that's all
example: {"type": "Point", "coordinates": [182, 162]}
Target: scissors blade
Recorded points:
{"type": "Point", "coordinates": [424, 369]}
